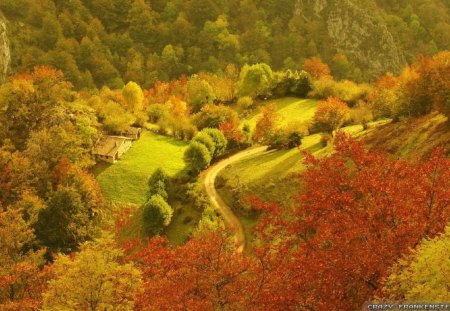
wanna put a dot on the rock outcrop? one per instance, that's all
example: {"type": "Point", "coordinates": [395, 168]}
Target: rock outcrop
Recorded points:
{"type": "Point", "coordinates": [355, 32]}
{"type": "Point", "coordinates": [4, 50]}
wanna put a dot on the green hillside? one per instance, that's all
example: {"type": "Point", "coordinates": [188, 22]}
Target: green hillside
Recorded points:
{"type": "Point", "coordinates": [109, 42]}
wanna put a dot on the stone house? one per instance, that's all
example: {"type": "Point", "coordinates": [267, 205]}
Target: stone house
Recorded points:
{"type": "Point", "coordinates": [111, 148]}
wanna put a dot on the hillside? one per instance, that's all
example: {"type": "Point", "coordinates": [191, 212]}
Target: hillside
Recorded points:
{"type": "Point", "coordinates": [414, 138]}
{"type": "Point", "coordinates": [257, 153]}
{"type": "Point", "coordinates": [112, 42]}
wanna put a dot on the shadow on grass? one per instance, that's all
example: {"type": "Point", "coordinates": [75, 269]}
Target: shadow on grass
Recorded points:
{"type": "Point", "coordinates": [100, 167]}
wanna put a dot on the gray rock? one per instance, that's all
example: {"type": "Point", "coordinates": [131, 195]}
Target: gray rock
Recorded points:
{"type": "Point", "coordinates": [5, 56]}
{"type": "Point", "coordinates": [353, 31]}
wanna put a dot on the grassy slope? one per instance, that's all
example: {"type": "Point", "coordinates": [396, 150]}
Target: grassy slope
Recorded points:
{"type": "Point", "coordinates": [290, 109]}
{"type": "Point", "coordinates": [265, 174]}
{"type": "Point", "coordinates": [414, 138]}
{"type": "Point", "coordinates": [126, 180]}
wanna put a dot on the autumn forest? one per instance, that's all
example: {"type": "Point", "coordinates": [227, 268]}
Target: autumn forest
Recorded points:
{"type": "Point", "coordinates": [224, 155]}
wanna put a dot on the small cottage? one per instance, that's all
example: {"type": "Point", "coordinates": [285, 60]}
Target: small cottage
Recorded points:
{"type": "Point", "coordinates": [111, 148]}
{"type": "Point", "coordinates": [133, 133]}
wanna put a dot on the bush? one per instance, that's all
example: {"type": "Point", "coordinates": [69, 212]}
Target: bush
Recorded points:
{"type": "Point", "coordinates": [289, 136]}
{"type": "Point", "coordinates": [245, 102]}
{"type": "Point", "coordinates": [211, 116]}
{"type": "Point", "coordinates": [255, 80]}
{"type": "Point", "coordinates": [197, 156]}
{"type": "Point", "coordinates": [346, 91]}
{"type": "Point", "coordinates": [361, 114]}
{"type": "Point", "coordinates": [158, 183]}
{"type": "Point", "coordinates": [207, 141]}
{"type": "Point", "coordinates": [330, 115]}
{"type": "Point", "coordinates": [157, 214]}
{"type": "Point", "coordinates": [220, 142]}
{"type": "Point", "coordinates": [297, 83]}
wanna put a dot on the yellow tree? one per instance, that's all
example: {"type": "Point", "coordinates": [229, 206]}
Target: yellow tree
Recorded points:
{"type": "Point", "coordinates": [134, 101]}
{"type": "Point", "coordinates": [424, 275]}
{"type": "Point", "coordinates": [21, 280]}
{"type": "Point", "coordinates": [93, 279]}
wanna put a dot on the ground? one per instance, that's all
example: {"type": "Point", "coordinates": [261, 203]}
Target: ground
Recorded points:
{"type": "Point", "coordinates": [126, 180]}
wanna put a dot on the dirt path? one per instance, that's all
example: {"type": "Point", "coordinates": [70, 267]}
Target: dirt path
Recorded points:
{"type": "Point", "coordinates": [230, 219]}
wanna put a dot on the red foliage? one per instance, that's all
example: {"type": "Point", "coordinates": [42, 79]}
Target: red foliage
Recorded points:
{"type": "Point", "coordinates": [163, 91]}
{"type": "Point", "coordinates": [43, 75]}
{"type": "Point", "coordinates": [331, 114]}
{"type": "Point", "coordinates": [358, 213]}
{"type": "Point", "coordinates": [433, 81]}
{"type": "Point", "coordinates": [61, 170]}
{"type": "Point", "coordinates": [231, 130]}
{"type": "Point", "coordinates": [204, 274]}
{"type": "Point", "coordinates": [316, 68]}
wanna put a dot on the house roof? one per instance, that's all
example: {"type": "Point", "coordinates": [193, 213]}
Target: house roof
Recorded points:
{"type": "Point", "coordinates": [108, 145]}
{"type": "Point", "coordinates": [133, 130]}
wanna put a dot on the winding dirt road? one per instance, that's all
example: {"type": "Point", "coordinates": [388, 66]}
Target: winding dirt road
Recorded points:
{"type": "Point", "coordinates": [230, 219]}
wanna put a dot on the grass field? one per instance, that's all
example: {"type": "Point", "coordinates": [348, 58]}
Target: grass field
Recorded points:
{"type": "Point", "coordinates": [126, 180]}
{"type": "Point", "coordinates": [290, 109]}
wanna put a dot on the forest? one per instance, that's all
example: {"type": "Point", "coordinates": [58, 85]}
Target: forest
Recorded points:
{"type": "Point", "coordinates": [224, 155]}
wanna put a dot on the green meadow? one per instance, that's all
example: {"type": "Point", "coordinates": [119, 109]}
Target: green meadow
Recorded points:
{"type": "Point", "coordinates": [126, 180]}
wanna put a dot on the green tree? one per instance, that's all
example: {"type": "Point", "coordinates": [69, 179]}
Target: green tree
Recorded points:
{"type": "Point", "coordinates": [157, 214]}
{"type": "Point", "coordinates": [197, 156]}
{"type": "Point", "coordinates": [158, 183]}
{"type": "Point", "coordinates": [206, 140]}
{"type": "Point", "coordinates": [199, 93]}
{"type": "Point", "coordinates": [220, 142]}
{"type": "Point", "coordinates": [142, 22]}
{"type": "Point", "coordinates": [51, 32]}
{"type": "Point", "coordinates": [66, 222]}
{"type": "Point", "coordinates": [255, 80]}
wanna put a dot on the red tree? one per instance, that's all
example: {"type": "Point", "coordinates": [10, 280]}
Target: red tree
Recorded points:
{"type": "Point", "coordinates": [316, 68]}
{"type": "Point", "coordinates": [358, 212]}
{"type": "Point", "coordinates": [204, 274]}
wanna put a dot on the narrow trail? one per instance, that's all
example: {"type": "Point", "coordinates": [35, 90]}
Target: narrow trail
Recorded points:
{"type": "Point", "coordinates": [230, 218]}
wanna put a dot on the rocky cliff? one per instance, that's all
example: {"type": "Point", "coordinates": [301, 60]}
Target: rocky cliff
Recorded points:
{"type": "Point", "coordinates": [354, 31]}
{"type": "Point", "coordinates": [4, 49]}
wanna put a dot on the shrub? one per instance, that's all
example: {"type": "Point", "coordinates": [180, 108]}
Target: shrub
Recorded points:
{"type": "Point", "coordinates": [157, 214]}
{"type": "Point", "coordinates": [207, 141]}
{"type": "Point", "coordinates": [158, 183]}
{"type": "Point", "coordinates": [255, 80]}
{"type": "Point", "coordinates": [346, 91]}
{"type": "Point", "coordinates": [361, 114]}
{"type": "Point", "coordinates": [220, 142]}
{"type": "Point", "coordinates": [213, 115]}
{"type": "Point", "coordinates": [330, 115]}
{"type": "Point", "coordinates": [197, 156]}
{"type": "Point", "coordinates": [245, 102]}
{"type": "Point", "coordinates": [297, 83]}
